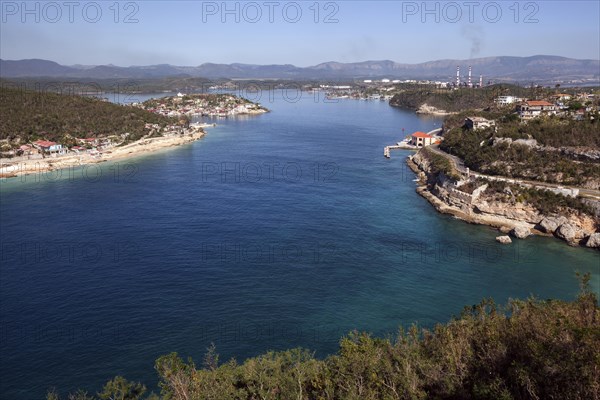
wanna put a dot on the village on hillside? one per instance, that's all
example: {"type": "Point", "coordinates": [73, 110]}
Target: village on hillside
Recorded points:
{"type": "Point", "coordinates": [580, 107]}
{"type": "Point", "coordinates": [91, 147]}
{"type": "Point", "coordinates": [202, 105]}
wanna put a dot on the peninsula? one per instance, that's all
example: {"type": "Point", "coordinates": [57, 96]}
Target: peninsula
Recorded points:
{"type": "Point", "coordinates": [42, 132]}
{"type": "Point", "coordinates": [527, 168]}
{"type": "Point", "coordinates": [205, 105]}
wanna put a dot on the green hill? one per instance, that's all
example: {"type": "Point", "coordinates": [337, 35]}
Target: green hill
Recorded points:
{"type": "Point", "coordinates": [458, 100]}
{"type": "Point", "coordinates": [557, 157]}
{"type": "Point", "coordinates": [27, 115]}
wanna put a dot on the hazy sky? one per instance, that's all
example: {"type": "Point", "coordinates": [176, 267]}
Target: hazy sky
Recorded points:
{"type": "Point", "coordinates": [302, 33]}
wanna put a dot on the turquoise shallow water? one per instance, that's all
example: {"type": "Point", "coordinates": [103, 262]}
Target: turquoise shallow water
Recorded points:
{"type": "Point", "coordinates": [283, 230]}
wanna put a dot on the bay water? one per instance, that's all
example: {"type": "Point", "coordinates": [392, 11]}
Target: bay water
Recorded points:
{"type": "Point", "coordinates": [283, 230]}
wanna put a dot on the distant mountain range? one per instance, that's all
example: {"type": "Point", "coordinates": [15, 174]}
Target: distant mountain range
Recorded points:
{"type": "Point", "coordinates": [502, 68]}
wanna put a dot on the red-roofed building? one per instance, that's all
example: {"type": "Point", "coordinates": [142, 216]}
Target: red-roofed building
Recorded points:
{"type": "Point", "coordinates": [47, 146]}
{"type": "Point", "coordinates": [421, 139]}
{"type": "Point", "coordinates": [44, 143]}
{"type": "Point", "coordinates": [78, 149]}
{"type": "Point", "coordinates": [26, 150]}
{"type": "Point", "coordinates": [535, 108]}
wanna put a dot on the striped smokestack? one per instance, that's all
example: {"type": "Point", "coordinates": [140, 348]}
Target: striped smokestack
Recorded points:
{"type": "Point", "coordinates": [469, 83]}
{"type": "Point", "coordinates": [457, 76]}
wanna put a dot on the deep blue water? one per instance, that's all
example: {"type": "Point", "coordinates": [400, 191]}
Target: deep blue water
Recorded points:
{"type": "Point", "coordinates": [283, 230]}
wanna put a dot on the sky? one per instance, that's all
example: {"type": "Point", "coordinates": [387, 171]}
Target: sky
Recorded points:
{"type": "Point", "coordinates": [302, 33]}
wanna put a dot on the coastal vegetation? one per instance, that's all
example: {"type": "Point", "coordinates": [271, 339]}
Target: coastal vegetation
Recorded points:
{"type": "Point", "coordinates": [547, 149]}
{"type": "Point", "coordinates": [475, 99]}
{"type": "Point", "coordinates": [440, 164]}
{"type": "Point", "coordinates": [527, 349]}
{"type": "Point", "coordinates": [129, 88]}
{"type": "Point", "coordinates": [44, 131]}
{"type": "Point", "coordinates": [126, 88]}
{"type": "Point", "coordinates": [212, 105]}
{"type": "Point", "coordinates": [551, 131]}
{"type": "Point", "coordinates": [26, 116]}
{"type": "Point", "coordinates": [545, 201]}
{"type": "Point", "coordinates": [455, 100]}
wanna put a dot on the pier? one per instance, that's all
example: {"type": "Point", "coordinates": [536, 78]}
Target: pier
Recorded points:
{"type": "Point", "coordinates": [386, 149]}
{"type": "Point", "coordinates": [405, 146]}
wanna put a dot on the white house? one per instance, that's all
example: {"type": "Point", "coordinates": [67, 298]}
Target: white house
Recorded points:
{"type": "Point", "coordinates": [49, 147]}
{"type": "Point", "coordinates": [535, 108]}
{"type": "Point", "coordinates": [421, 139]}
{"type": "Point", "coordinates": [562, 96]}
{"type": "Point", "coordinates": [477, 123]}
{"type": "Point", "coordinates": [505, 100]}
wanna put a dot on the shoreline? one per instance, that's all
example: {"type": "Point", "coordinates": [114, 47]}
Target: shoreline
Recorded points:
{"type": "Point", "coordinates": [426, 109]}
{"type": "Point", "coordinates": [502, 223]}
{"type": "Point", "coordinates": [139, 148]}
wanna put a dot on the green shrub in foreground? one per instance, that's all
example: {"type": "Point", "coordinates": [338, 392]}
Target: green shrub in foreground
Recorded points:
{"type": "Point", "coordinates": [529, 349]}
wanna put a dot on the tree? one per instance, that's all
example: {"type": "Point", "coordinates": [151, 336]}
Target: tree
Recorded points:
{"type": "Point", "coordinates": [121, 389]}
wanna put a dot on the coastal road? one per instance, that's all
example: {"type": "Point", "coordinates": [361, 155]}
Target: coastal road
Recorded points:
{"type": "Point", "coordinates": [460, 167]}
{"type": "Point", "coordinates": [456, 162]}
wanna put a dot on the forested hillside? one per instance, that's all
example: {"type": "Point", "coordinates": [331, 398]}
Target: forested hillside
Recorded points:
{"type": "Point", "coordinates": [555, 149]}
{"type": "Point", "coordinates": [30, 115]}
{"type": "Point", "coordinates": [456, 100]}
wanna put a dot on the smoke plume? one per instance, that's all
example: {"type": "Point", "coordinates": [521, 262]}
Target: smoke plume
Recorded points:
{"type": "Point", "coordinates": [475, 35]}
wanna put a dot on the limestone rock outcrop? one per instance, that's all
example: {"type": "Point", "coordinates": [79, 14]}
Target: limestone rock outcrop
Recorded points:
{"type": "Point", "coordinates": [551, 224]}
{"type": "Point", "coordinates": [571, 233]}
{"type": "Point", "coordinates": [521, 232]}
{"type": "Point", "coordinates": [504, 239]}
{"type": "Point", "coordinates": [593, 241]}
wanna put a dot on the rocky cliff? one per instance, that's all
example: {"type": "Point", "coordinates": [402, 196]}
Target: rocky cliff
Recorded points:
{"type": "Point", "coordinates": [475, 202]}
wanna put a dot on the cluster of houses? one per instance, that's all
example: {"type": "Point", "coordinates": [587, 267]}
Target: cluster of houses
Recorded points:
{"type": "Point", "coordinates": [169, 130]}
{"type": "Point", "coordinates": [41, 148]}
{"type": "Point", "coordinates": [526, 109]}
{"type": "Point", "coordinates": [91, 146]}
{"type": "Point", "coordinates": [202, 105]}
{"type": "Point", "coordinates": [529, 109]}
{"type": "Point", "coordinates": [382, 94]}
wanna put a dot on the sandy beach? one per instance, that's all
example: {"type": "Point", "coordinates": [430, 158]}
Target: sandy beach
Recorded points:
{"type": "Point", "coordinates": [9, 168]}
